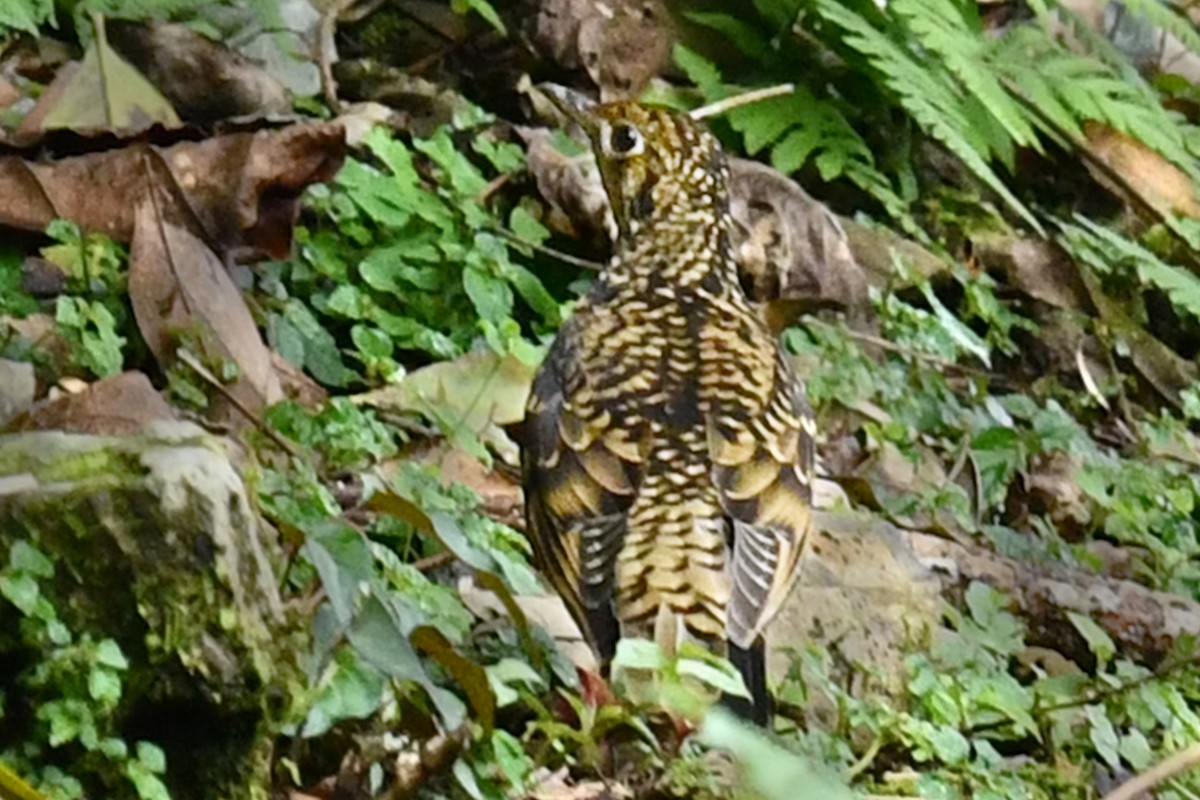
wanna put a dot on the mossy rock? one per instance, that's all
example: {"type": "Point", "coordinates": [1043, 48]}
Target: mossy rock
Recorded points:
{"type": "Point", "coordinates": [156, 545]}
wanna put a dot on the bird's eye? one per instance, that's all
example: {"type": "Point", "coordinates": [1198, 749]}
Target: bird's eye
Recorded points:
{"type": "Point", "coordinates": [622, 140]}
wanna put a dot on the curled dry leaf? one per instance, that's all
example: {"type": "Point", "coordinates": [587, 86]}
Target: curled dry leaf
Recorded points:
{"type": "Point", "coordinates": [571, 185]}
{"type": "Point", "coordinates": [790, 246]}
{"type": "Point", "coordinates": [118, 406]}
{"type": "Point", "coordinates": [621, 44]}
{"type": "Point", "coordinates": [177, 284]}
{"type": "Point", "coordinates": [242, 189]}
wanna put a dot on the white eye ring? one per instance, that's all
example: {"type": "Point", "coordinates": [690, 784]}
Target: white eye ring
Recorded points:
{"type": "Point", "coordinates": [621, 140]}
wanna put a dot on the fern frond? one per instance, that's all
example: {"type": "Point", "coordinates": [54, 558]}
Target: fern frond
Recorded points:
{"type": "Point", "coordinates": [1106, 250]}
{"type": "Point", "coordinates": [930, 97]}
{"type": "Point", "coordinates": [943, 27]}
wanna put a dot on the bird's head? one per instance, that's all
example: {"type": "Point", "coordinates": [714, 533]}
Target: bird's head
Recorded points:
{"type": "Point", "coordinates": [655, 163]}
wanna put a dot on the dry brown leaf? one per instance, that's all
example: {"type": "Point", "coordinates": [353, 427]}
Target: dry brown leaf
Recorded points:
{"type": "Point", "coordinates": [1040, 269]}
{"type": "Point", "coordinates": [791, 246]}
{"type": "Point", "coordinates": [1154, 178]}
{"type": "Point", "coordinates": [205, 80]}
{"type": "Point", "coordinates": [241, 189]}
{"type": "Point", "coordinates": [118, 406]}
{"type": "Point", "coordinates": [177, 284]}
{"type": "Point", "coordinates": [621, 44]}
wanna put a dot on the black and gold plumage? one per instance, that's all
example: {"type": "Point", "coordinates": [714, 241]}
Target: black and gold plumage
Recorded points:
{"type": "Point", "coordinates": [668, 447]}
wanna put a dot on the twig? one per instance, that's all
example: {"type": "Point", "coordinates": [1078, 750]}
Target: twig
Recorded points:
{"type": "Point", "coordinates": [1182, 761]}
{"type": "Point", "coordinates": [567, 258]}
{"type": "Point", "coordinates": [194, 364]}
{"type": "Point", "coordinates": [326, 30]}
{"type": "Point", "coordinates": [884, 344]}
{"type": "Point", "coordinates": [744, 99]}
{"type": "Point", "coordinates": [430, 563]}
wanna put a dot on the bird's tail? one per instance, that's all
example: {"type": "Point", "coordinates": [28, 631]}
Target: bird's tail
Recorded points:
{"type": "Point", "coordinates": [751, 662]}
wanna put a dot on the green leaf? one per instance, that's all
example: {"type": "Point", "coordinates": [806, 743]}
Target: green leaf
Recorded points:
{"type": "Point", "coordinates": [728, 681]}
{"type": "Point", "coordinates": [1103, 736]}
{"type": "Point", "coordinates": [491, 296]}
{"type": "Point", "coordinates": [108, 93]}
{"type": "Point", "coordinates": [351, 689]}
{"type": "Point", "coordinates": [638, 654]}
{"type": "Point", "coordinates": [21, 590]}
{"type": "Point", "coordinates": [344, 562]}
{"type": "Point", "coordinates": [771, 770]}
{"type": "Point", "coordinates": [1099, 642]}
{"type": "Point", "coordinates": [484, 9]}
{"type": "Point", "coordinates": [949, 745]}
{"type": "Point", "coordinates": [108, 653]}
{"type": "Point", "coordinates": [24, 557]}
{"type": "Point", "coordinates": [104, 685]}
{"type": "Point", "coordinates": [152, 757]}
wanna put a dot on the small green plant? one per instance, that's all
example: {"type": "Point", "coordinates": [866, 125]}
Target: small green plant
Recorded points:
{"type": "Point", "coordinates": [409, 258]}
{"type": "Point", "coordinates": [72, 691]}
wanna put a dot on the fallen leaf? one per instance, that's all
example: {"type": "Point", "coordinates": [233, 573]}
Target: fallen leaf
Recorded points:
{"type": "Point", "coordinates": [1155, 179]}
{"type": "Point", "coordinates": [106, 93]}
{"type": "Point", "coordinates": [478, 393]}
{"type": "Point", "coordinates": [177, 284]}
{"type": "Point", "coordinates": [791, 246]}
{"type": "Point", "coordinates": [621, 43]}
{"type": "Point", "coordinates": [243, 188]}
{"type": "Point", "coordinates": [118, 406]}
{"type": "Point", "coordinates": [204, 79]}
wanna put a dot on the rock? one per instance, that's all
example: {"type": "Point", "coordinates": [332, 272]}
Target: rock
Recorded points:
{"type": "Point", "coordinates": [863, 597]}
{"type": "Point", "coordinates": [156, 545]}
{"type": "Point", "coordinates": [18, 387]}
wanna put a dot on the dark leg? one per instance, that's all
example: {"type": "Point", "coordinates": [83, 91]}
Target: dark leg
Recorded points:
{"type": "Point", "coordinates": [606, 631]}
{"type": "Point", "coordinates": [751, 662]}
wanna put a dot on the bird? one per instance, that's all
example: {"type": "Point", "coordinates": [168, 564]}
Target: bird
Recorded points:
{"type": "Point", "coordinates": [668, 446]}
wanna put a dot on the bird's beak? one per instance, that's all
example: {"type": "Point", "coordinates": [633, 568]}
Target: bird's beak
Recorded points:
{"type": "Point", "coordinates": [574, 106]}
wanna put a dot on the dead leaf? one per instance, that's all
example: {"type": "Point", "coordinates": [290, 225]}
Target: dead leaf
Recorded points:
{"type": "Point", "coordinates": [557, 786]}
{"type": "Point", "coordinates": [620, 43]}
{"type": "Point", "coordinates": [478, 393]}
{"type": "Point", "coordinates": [790, 246]}
{"type": "Point", "coordinates": [204, 79]}
{"type": "Point", "coordinates": [1155, 179]}
{"type": "Point", "coordinates": [1040, 269]}
{"type": "Point", "coordinates": [106, 93]}
{"type": "Point", "coordinates": [118, 406]}
{"type": "Point", "coordinates": [177, 284]}
{"type": "Point", "coordinates": [8, 94]}
{"type": "Point", "coordinates": [242, 189]}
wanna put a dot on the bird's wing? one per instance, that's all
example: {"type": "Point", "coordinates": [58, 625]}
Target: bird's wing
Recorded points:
{"type": "Point", "coordinates": [580, 477]}
{"type": "Point", "coordinates": [764, 474]}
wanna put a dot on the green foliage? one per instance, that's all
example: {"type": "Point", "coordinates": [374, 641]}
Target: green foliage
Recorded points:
{"type": "Point", "coordinates": [410, 259]}
{"type": "Point", "coordinates": [966, 707]}
{"type": "Point", "coordinates": [91, 330]}
{"type": "Point", "coordinates": [71, 690]}
{"type": "Point", "coordinates": [981, 95]}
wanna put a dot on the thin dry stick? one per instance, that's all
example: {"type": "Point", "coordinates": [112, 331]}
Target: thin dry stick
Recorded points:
{"type": "Point", "coordinates": [566, 258]}
{"type": "Point", "coordinates": [1182, 761]}
{"type": "Point", "coordinates": [744, 99]}
{"type": "Point", "coordinates": [206, 375]}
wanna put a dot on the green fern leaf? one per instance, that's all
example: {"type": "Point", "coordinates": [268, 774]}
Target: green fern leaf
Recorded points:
{"type": "Point", "coordinates": [928, 95]}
